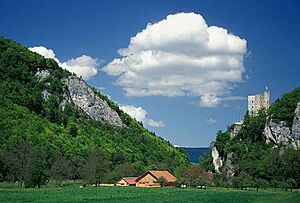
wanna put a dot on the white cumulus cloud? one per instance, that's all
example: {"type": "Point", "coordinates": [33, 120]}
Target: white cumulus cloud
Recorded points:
{"type": "Point", "coordinates": [47, 53]}
{"type": "Point", "coordinates": [141, 114]}
{"type": "Point", "coordinates": [181, 55]}
{"type": "Point", "coordinates": [84, 65]}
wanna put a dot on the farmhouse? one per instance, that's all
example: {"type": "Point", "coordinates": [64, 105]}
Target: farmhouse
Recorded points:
{"type": "Point", "coordinates": [127, 181]}
{"type": "Point", "coordinates": [150, 178]}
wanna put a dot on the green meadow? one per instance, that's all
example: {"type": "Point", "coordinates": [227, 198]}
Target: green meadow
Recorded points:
{"type": "Point", "coordinates": [144, 195]}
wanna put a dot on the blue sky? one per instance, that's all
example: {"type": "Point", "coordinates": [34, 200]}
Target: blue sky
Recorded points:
{"type": "Point", "coordinates": [91, 32]}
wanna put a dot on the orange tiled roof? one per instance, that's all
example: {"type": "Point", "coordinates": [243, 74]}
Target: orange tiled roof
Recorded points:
{"type": "Point", "coordinates": [130, 180]}
{"type": "Point", "coordinates": [157, 174]}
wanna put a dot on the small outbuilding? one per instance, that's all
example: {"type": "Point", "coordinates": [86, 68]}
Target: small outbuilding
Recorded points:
{"type": "Point", "coordinates": [150, 179]}
{"type": "Point", "coordinates": [127, 181]}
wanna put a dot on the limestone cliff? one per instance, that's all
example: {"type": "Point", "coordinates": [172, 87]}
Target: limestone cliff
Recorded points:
{"type": "Point", "coordinates": [296, 125]}
{"type": "Point", "coordinates": [217, 160]}
{"type": "Point", "coordinates": [278, 133]}
{"type": "Point", "coordinates": [225, 162]}
{"type": "Point", "coordinates": [228, 166]}
{"type": "Point", "coordinates": [82, 96]}
{"type": "Point", "coordinates": [222, 162]}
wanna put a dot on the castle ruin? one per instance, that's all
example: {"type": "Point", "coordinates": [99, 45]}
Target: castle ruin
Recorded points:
{"type": "Point", "coordinates": [258, 101]}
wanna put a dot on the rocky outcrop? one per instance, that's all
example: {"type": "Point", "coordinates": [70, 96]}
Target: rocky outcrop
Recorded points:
{"type": "Point", "coordinates": [235, 129]}
{"type": "Point", "coordinates": [296, 125]}
{"type": "Point", "coordinates": [83, 97]}
{"type": "Point", "coordinates": [46, 94]}
{"type": "Point", "coordinates": [217, 161]}
{"type": "Point", "coordinates": [42, 74]}
{"type": "Point", "coordinates": [225, 163]}
{"type": "Point", "coordinates": [279, 133]}
{"type": "Point", "coordinates": [228, 166]}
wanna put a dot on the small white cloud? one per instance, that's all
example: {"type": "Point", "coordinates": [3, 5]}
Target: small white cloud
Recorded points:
{"type": "Point", "coordinates": [47, 53]}
{"type": "Point", "coordinates": [211, 121]}
{"type": "Point", "coordinates": [84, 66]}
{"type": "Point", "coordinates": [209, 101]}
{"type": "Point", "coordinates": [181, 55]}
{"type": "Point", "coordinates": [153, 123]}
{"type": "Point", "coordinates": [141, 115]}
{"type": "Point", "coordinates": [212, 101]}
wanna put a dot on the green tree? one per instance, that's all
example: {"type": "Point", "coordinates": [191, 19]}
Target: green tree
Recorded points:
{"type": "Point", "coordinates": [96, 166]}
{"type": "Point", "coordinates": [275, 184]}
{"type": "Point", "coordinates": [222, 139]}
{"type": "Point", "coordinates": [242, 181]}
{"type": "Point", "coordinates": [122, 170]}
{"type": "Point", "coordinates": [162, 181]}
{"type": "Point", "coordinates": [16, 160]}
{"type": "Point", "coordinates": [290, 165]}
{"type": "Point", "coordinates": [260, 183]}
{"type": "Point", "coordinates": [291, 183]}
{"type": "Point", "coordinates": [60, 169]}
{"type": "Point", "coordinates": [284, 109]}
{"type": "Point", "coordinates": [37, 173]}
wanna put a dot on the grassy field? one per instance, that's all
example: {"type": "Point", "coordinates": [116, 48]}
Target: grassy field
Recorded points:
{"type": "Point", "coordinates": [144, 195]}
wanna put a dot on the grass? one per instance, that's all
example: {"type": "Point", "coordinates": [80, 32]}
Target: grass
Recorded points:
{"type": "Point", "coordinates": [145, 195]}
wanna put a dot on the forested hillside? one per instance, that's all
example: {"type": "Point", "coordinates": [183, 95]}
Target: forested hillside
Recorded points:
{"type": "Point", "coordinates": [43, 136]}
{"type": "Point", "coordinates": [251, 159]}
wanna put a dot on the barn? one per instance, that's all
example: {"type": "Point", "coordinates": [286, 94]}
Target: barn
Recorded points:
{"type": "Point", "coordinates": [127, 181]}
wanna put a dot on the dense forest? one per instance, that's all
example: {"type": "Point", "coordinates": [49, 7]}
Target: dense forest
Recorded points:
{"type": "Point", "coordinates": [256, 162]}
{"type": "Point", "coordinates": [41, 140]}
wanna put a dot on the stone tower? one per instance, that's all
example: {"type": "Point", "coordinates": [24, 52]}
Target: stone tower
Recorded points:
{"type": "Point", "coordinates": [258, 101]}
{"type": "Point", "coordinates": [267, 98]}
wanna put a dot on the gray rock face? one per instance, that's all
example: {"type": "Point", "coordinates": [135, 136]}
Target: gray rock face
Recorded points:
{"type": "Point", "coordinates": [67, 99]}
{"type": "Point", "coordinates": [42, 74]}
{"type": "Point", "coordinates": [228, 167]}
{"type": "Point", "coordinates": [236, 129]}
{"type": "Point", "coordinates": [46, 94]}
{"type": "Point", "coordinates": [296, 125]}
{"type": "Point", "coordinates": [83, 97]}
{"type": "Point", "coordinates": [217, 161]}
{"type": "Point", "coordinates": [278, 133]}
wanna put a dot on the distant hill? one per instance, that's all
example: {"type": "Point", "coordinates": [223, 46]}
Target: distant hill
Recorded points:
{"type": "Point", "coordinates": [54, 125]}
{"type": "Point", "coordinates": [194, 153]}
